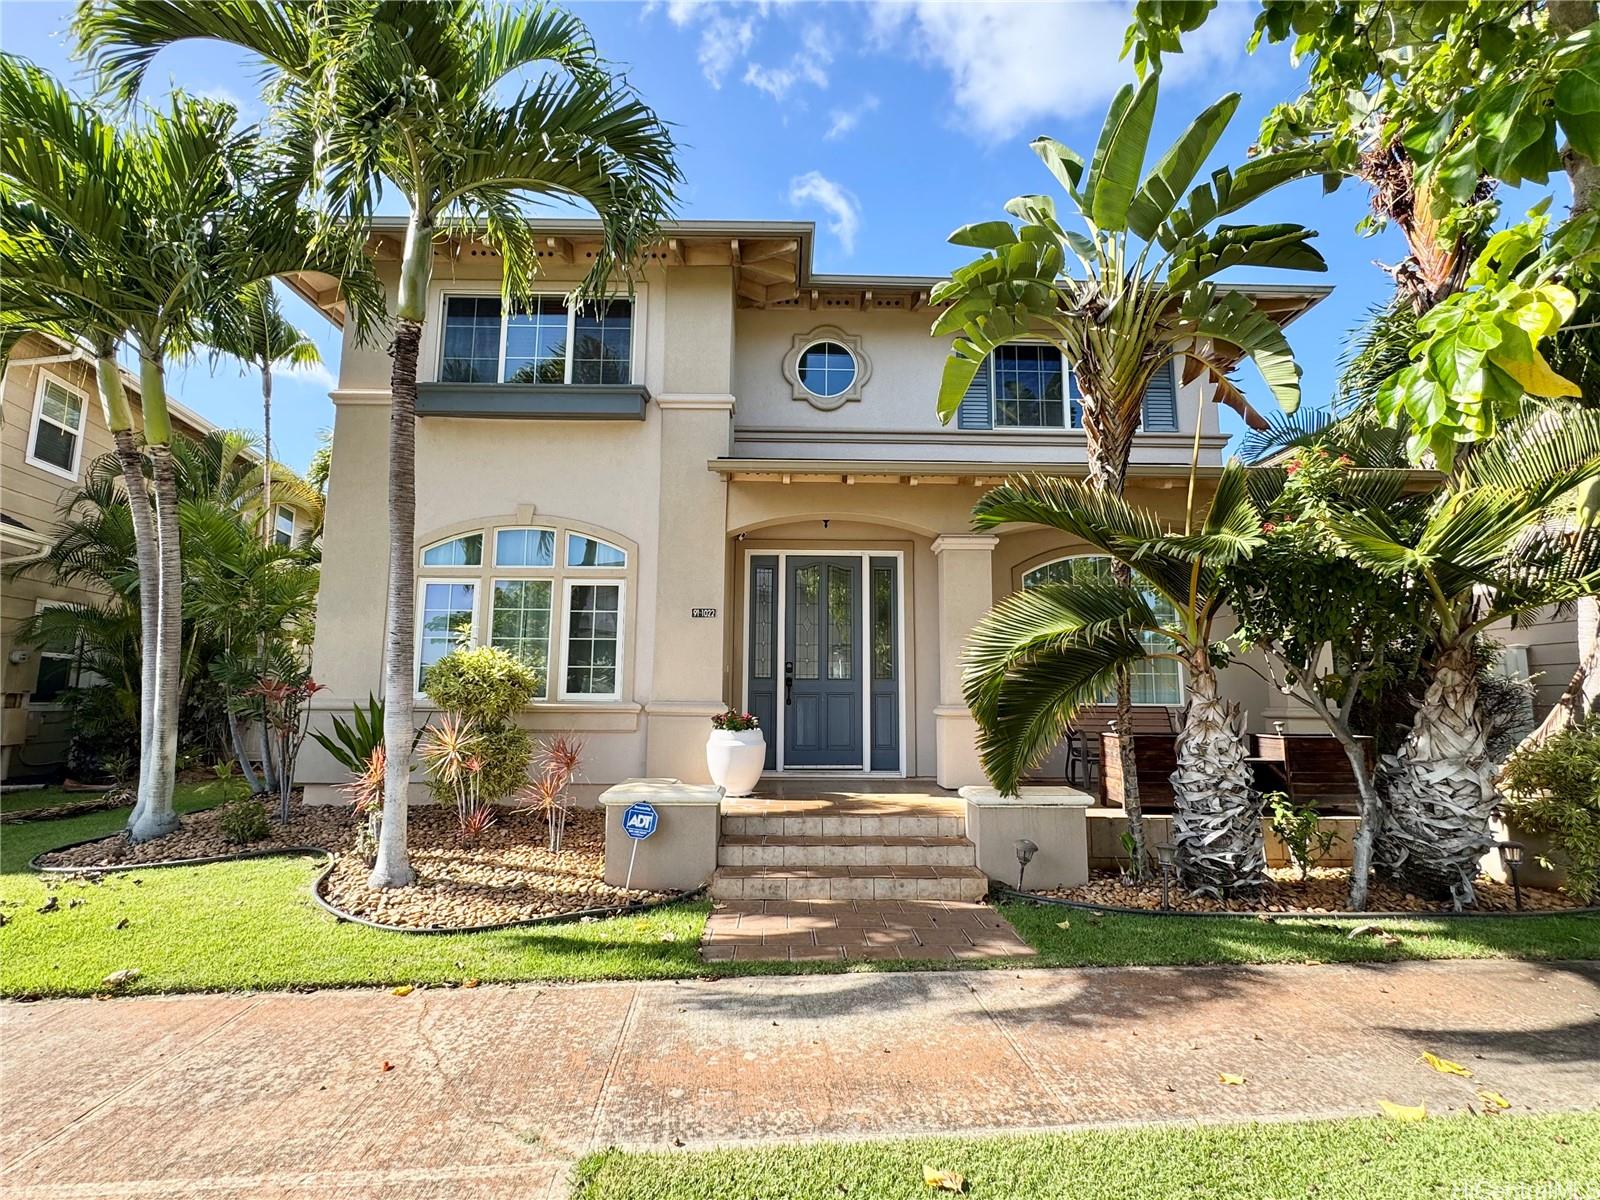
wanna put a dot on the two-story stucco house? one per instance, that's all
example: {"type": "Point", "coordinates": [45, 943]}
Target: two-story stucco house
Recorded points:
{"type": "Point", "coordinates": [731, 488]}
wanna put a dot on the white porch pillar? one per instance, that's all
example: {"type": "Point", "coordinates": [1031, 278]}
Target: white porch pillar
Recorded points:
{"type": "Point", "coordinates": [966, 593]}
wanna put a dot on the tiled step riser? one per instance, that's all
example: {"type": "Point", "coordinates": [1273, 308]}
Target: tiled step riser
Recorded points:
{"type": "Point", "coordinates": [777, 887]}
{"type": "Point", "coordinates": [844, 826]}
{"type": "Point", "coordinates": [863, 854]}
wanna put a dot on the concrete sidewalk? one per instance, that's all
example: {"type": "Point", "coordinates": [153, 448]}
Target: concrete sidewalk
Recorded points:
{"type": "Point", "coordinates": [495, 1091]}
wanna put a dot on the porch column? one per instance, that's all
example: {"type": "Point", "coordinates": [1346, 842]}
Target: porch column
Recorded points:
{"type": "Point", "coordinates": [966, 593]}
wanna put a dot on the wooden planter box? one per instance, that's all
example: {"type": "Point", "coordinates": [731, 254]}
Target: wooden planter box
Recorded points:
{"type": "Point", "coordinates": [1156, 757]}
{"type": "Point", "coordinates": [1312, 768]}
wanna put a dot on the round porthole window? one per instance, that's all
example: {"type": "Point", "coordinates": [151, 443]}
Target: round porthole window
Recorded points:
{"type": "Point", "coordinates": [827, 369]}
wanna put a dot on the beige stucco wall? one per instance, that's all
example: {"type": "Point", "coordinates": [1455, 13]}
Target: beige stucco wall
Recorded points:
{"type": "Point", "coordinates": [896, 416]}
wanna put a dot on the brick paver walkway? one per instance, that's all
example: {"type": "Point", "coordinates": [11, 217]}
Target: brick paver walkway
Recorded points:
{"type": "Point", "coordinates": [806, 930]}
{"type": "Point", "coordinates": [494, 1092]}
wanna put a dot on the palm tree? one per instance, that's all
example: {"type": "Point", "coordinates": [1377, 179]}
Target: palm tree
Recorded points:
{"type": "Point", "coordinates": [403, 96]}
{"type": "Point", "coordinates": [131, 235]}
{"type": "Point", "coordinates": [1045, 652]}
{"type": "Point", "coordinates": [255, 331]}
{"type": "Point", "coordinates": [1497, 541]}
{"type": "Point", "coordinates": [1145, 296]}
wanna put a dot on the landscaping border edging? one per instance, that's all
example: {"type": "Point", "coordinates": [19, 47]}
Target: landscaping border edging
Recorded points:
{"type": "Point", "coordinates": [1012, 894]}
{"type": "Point", "coordinates": [582, 914]}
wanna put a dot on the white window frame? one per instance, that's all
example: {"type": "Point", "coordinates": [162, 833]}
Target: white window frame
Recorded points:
{"type": "Point", "coordinates": [1070, 378]}
{"type": "Point", "coordinates": [566, 622]}
{"type": "Point", "coordinates": [635, 330]}
{"type": "Point", "coordinates": [855, 367]}
{"type": "Point", "coordinates": [531, 575]}
{"type": "Point", "coordinates": [566, 545]}
{"type": "Point", "coordinates": [80, 434]}
{"type": "Point", "coordinates": [40, 606]}
{"type": "Point", "coordinates": [1183, 672]}
{"type": "Point", "coordinates": [420, 601]}
{"type": "Point", "coordinates": [278, 510]}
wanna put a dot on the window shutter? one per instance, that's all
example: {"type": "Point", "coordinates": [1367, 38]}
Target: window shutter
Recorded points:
{"type": "Point", "coordinates": [1161, 402]}
{"type": "Point", "coordinates": [976, 411]}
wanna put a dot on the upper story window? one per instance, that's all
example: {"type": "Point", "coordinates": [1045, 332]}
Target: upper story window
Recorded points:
{"type": "Point", "coordinates": [55, 439]}
{"type": "Point", "coordinates": [457, 552]}
{"type": "Point", "coordinates": [283, 526]}
{"type": "Point", "coordinates": [1026, 386]}
{"type": "Point", "coordinates": [543, 340]}
{"type": "Point", "coordinates": [827, 369]}
{"type": "Point", "coordinates": [1030, 387]}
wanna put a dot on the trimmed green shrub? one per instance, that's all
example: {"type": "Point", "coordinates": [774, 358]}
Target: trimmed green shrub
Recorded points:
{"type": "Point", "coordinates": [486, 685]}
{"type": "Point", "coordinates": [244, 821]}
{"type": "Point", "coordinates": [1555, 790]}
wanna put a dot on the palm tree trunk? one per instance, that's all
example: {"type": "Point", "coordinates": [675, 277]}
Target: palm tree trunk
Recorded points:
{"type": "Point", "coordinates": [1108, 472]}
{"type": "Point", "coordinates": [1440, 787]}
{"type": "Point", "coordinates": [246, 772]}
{"type": "Point", "coordinates": [393, 865]}
{"type": "Point", "coordinates": [266, 450]}
{"type": "Point", "coordinates": [154, 815]}
{"type": "Point", "coordinates": [1216, 823]}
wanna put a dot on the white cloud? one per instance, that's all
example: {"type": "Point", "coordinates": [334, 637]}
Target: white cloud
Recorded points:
{"type": "Point", "coordinates": [723, 41]}
{"type": "Point", "coordinates": [316, 375]}
{"type": "Point", "coordinates": [844, 120]}
{"type": "Point", "coordinates": [1012, 64]}
{"type": "Point", "coordinates": [843, 210]}
{"type": "Point", "coordinates": [809, 64]}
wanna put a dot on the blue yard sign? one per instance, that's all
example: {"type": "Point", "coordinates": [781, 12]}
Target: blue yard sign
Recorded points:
{"type": "Point", "coordinates": [640, 820]}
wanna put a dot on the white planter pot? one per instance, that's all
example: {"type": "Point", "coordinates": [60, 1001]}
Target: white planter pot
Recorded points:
{"type": "Point", "coordinates": [735, 759]}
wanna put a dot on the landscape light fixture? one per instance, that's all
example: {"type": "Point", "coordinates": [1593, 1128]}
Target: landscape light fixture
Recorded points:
{"type": "Point", "coordinates": [1167, 856]}
{"type": "Point", "coordinates": [1511, 854]}
{"type": "Point", "coordinates": [1025, 851]}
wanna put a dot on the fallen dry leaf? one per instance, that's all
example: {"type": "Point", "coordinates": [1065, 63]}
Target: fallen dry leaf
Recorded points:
{"type": "Point", "coordinates": [1444, 1066]}
{"type": "Point", "coordinates": [469, 983]}
{"type": "Point", "coordinates": [1403, 1112]}
{"type": "Point", "coordinates": [948, 1181]}
{"type": "Point", "coordinates": [121, 978]}
{"type": "Point", "coordinates": [1493, 1099]}
{"type": "Point", "coordinates": [386, 1065]}
{"type": "Point", "coordinates": [1230, 1080]}
{"type": "Point", "coordinates": [404, 989]}
{"type": "Point", "coordinates": [669, 936]}
{"type": "Point", "coordinates": [1063, 924]}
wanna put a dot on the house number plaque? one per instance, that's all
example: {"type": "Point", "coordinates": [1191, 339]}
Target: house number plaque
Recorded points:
{"type": "Point", "coordinates": [699, 613]}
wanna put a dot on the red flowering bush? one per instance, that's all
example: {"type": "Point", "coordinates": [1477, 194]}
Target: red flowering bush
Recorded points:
{"type": "Point", "coordinates": [735, 722]}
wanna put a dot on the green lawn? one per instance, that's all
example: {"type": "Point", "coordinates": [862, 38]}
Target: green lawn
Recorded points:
{"type": "Point", "coordinates": [15, 802]}
{"type": "Point", "coordinates": [1437, 1159]}
{"type": "Point", "coordinates": [252, 924]}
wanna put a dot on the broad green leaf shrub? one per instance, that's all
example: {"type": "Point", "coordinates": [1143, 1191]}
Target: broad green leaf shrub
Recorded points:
{"type": "Point", "coordinates": [488, 687]}
{"type": "Point", "coordinates": [244, 821]}
{"type": "Point", "coordinates": [1554, 789]}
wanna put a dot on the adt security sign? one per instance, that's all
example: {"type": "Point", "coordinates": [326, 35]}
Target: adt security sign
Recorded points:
{"type": "Point", "coordinates": [640, 820]}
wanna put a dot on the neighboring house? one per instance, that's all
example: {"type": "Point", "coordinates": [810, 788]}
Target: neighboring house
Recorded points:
{"type": "Point", "coordinates": [731, 488]}
{"type": "Point", "coordinates": [51, 429]}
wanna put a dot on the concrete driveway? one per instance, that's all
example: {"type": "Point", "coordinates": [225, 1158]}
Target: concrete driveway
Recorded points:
{"type": "Point", "coordinates": [495, 1091]}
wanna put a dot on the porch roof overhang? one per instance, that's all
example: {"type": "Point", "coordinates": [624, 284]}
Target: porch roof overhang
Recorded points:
{"type": "Point", "coordinates": [971, 474]}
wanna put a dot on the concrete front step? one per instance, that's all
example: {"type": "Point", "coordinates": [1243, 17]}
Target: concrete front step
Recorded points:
{"type": "Point", "coordinates": [849, 883]}
{"type": "Point", "coordinates": [842, 825]}
{"type": "Point", "coordinates": [758, 850]}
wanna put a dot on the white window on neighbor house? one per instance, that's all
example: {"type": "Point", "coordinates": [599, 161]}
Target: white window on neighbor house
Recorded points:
{"type": "Point", "coordinates": [1032, 388]}
{"type": "Point", "coordinates": [283, 526]}
{"type": "Point", "coordinates": [542, 340]}
{"type": "Point", "coordinates": [561, 613]}
{"type": "Point", "coordinates": [55, 438]}
{"type": "Point", "coordinates": [58, 667]}
{"type": "Point", "coordinates": [1153, 680]}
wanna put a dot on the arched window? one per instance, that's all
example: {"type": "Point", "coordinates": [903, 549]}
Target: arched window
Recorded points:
{"type": "Point", "coordinates": [562, 614]}
{"type": "Point", "coordinates": [1153, 681]}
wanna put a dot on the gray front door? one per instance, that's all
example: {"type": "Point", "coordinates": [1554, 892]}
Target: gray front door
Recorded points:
{"type": "Point", "coordinates": [822, 663]}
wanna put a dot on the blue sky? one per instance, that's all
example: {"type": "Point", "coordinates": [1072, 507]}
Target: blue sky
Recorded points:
{"type": "Point", "coordinates": [889, 124]}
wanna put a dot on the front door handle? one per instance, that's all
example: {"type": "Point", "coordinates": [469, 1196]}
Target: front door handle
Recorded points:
{"type": "Point", "coordinates": [788, 683]}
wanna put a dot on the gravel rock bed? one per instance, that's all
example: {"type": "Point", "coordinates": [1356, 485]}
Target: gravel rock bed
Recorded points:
{"type": "Point", "coordinates": [1327, 890]}
{"type": "Point", "coordinates": [507, 876]}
